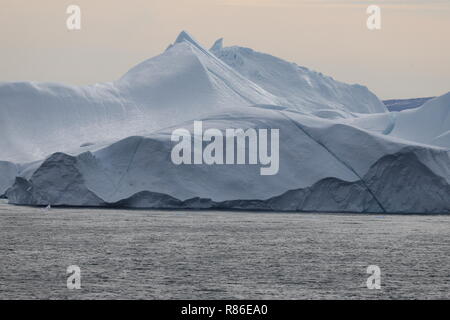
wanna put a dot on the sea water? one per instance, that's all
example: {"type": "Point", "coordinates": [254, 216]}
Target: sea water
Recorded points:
{"type": "Point", "coordinates": [151, 254]}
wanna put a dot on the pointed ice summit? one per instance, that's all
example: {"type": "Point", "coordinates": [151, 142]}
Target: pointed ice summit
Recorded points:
{"type": "Point", "coordinates": [184, 36]}
{"type": "Point", "coordinates": [218, 45]}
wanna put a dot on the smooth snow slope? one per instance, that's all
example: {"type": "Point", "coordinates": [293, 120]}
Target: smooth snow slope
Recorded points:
{"type": "Point", "coordinates": [305, 90]}
{"type": "Point", "coordinates": [428, 124]}
{"type": "Point", "coordinates": [185, 82]}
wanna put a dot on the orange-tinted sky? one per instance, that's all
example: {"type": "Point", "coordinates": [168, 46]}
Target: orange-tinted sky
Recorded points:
{"type": "Point", "coordinates": [408, 57]}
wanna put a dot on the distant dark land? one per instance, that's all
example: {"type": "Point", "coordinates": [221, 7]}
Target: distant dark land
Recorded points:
{"type": "Point", "coordinates": [404, 104]}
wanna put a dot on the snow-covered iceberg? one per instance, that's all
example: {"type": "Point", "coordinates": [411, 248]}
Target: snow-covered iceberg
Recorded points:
{"type": "Point", "coordinates": [110, 144]}
{"type": "Point", "coordinates": [185, 82]}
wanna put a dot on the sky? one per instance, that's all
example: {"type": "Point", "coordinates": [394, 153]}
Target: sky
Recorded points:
{"type": "Point", "coordinates": [409, 57]}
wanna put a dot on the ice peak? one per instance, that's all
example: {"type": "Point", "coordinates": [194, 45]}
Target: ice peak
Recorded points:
{"type": "Point", "coordinates": [218, 45]}
{"type": "Point", "coordinates": [185, 36]}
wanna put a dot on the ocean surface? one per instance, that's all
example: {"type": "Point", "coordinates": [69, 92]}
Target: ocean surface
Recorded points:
{"type": "Point", "coordinates": [137, 254]}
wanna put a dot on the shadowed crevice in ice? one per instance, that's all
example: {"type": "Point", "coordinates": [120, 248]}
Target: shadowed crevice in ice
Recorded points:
{"type": "Point", "coordinates": [343, 162]}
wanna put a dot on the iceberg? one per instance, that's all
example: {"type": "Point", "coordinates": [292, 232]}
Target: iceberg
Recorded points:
{"type": "Point", "coordinates": [109, 145]}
